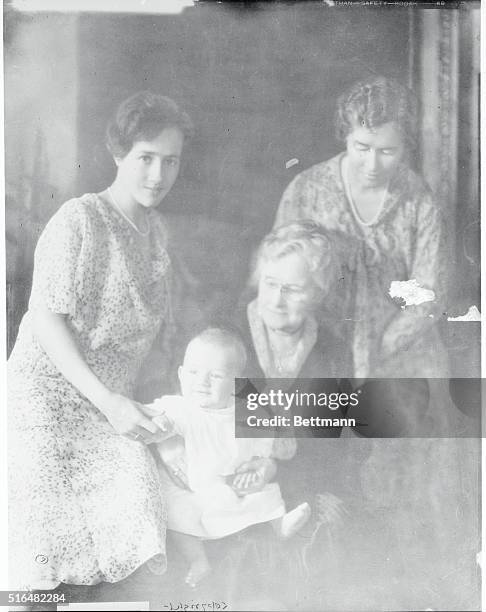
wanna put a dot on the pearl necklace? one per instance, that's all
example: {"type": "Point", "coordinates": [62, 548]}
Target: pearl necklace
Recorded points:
{"type": "Point", "coordinates": [347, 190]}
{"type": "Point", "coordinates": [127, 218]}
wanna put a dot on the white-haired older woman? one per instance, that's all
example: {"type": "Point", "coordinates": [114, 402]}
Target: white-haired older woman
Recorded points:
{"type": "Point", "coordinates": [296, 273]}
{"type": "Point", "coordinates": [294, 270]}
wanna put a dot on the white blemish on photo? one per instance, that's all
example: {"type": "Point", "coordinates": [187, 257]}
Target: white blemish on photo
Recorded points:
{"type": "Point", "coordinates": [292, 162]}
{"type": "Point", "coordinates": [411, 292]}
{"type": "Point", "coordinates": [472, 314]}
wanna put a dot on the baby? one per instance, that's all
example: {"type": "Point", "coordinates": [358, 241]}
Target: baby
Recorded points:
{"type": "Point", "coordinates": [213, 507]}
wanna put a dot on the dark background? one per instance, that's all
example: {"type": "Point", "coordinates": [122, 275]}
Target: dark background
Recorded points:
{"type": "Point", "coordinates": [261, 85]}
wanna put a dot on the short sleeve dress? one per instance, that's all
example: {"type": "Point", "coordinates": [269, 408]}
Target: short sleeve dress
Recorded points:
{"type": "Point", "coordinates": [85, 504]}
{"type": "Point", "coordinates": [405, 242]}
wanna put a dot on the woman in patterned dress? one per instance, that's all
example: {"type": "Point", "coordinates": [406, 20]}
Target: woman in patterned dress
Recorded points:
{"type": "Point", "coordinates": [391, 227]}
{"type": "Point", "coordinates": [407, 490]}
{"type": "Point", "coordinates": [85, 501]}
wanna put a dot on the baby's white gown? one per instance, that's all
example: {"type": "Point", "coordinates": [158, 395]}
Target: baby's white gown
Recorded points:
{"type": "Point", "coordinates": [211, 509]}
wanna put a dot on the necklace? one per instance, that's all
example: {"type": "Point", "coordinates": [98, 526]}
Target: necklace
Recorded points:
{"type": "Point", "coordinates": [127, 218]}
{"type": "Point", "coordinates": [347, 190]}
{"type": "Point", "coordinates": [285, 360]}
{"type": "Point", "coordinates": [285, 363]}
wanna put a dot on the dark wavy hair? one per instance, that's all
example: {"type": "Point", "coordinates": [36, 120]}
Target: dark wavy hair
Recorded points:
{"type": "Point", "coordinates": [373, 102]}
{"type": "Point", "coordinates": [142, 117]}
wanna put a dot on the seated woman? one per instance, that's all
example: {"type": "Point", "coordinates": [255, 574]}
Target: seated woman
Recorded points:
{"type": "Point", "coordinates": [86, 505]}
{"type": "Point", "coordinates": [294, 269]}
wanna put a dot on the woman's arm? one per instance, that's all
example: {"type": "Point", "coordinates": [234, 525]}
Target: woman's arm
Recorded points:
{"type": "Point", "coordinates": [54, 336]}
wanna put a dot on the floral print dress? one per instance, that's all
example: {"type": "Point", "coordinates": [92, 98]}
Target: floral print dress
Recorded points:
{"type": "Point", "coordinates": [403, 242]}
{"type": "Point", "coordinates": [85, 504]}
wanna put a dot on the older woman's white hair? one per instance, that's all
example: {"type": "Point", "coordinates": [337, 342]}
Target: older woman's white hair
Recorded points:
{"type": "Point", "coordinates": [306, 238]}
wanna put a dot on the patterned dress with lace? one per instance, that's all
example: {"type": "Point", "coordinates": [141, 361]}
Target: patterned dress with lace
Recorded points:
{"type": "Point", "coordinates": [404, 242]}
{"type": "Point", "coordinates": [85, 504]}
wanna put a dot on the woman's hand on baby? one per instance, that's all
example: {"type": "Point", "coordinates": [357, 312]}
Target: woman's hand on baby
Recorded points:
{"type": "Point", "coordinates": [128, 420]}
{"type": "Point", "coordinates": [330, 508]}
{"type": "Point", "coordinates": [251, 476]}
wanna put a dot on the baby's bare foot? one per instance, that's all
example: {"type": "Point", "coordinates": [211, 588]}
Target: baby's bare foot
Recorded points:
{"type": "Point", "coordinates": [198, 571]}
{"type": "Point", "coordinates": [294, 520]}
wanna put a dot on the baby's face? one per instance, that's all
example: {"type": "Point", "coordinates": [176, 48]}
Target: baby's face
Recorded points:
{"type": "Point", "coordinates": [207, 374]}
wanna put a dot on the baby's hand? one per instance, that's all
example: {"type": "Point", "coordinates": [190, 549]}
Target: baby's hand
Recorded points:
{"type": "Point", "coordinates": [252, 476]}
{"type": "Point", "coordinates": [151, 410]}
{"type": "Point", "coordinates": [165, 429]}
{"type": "Point", "coordinates": [163, 423]}
{"type": "Point", "coordinates": [247, 482]}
